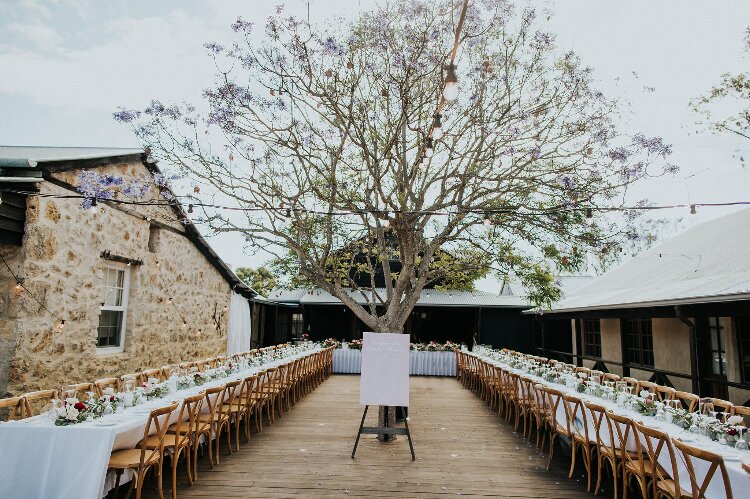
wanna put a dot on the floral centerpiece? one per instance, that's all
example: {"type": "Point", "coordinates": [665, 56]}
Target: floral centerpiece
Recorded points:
{"type": "Point", "coordinates": [355, 344]}
{"type": "Point", "coordinates": [73, 411]}
{"type": "Point", "coordinates": [330, 342]}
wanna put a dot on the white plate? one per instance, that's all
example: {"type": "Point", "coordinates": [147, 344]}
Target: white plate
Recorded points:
{"type": "Point", "coordinates": [105, 423]}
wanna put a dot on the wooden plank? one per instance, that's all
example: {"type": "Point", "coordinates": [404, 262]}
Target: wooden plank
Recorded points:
{"type": "Point", "coordinates": [462, 447]}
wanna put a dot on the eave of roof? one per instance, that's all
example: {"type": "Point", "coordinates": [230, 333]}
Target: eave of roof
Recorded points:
{"type": "Point", "coordinates": [53, 159]}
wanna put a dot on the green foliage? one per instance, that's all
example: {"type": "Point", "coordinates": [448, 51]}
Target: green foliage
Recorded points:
{"type": "Point", "coordinates": [261, 279]}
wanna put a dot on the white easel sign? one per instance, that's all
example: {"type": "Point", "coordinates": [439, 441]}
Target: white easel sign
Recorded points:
{"type": "Point", "coordinates": [385, 369]}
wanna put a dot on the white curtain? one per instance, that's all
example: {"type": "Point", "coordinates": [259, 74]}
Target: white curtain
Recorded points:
{"type": "Point", "coordinates": [238, 329]}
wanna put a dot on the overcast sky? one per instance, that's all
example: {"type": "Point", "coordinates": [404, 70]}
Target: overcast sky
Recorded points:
{"type": "Point", "coordinates": [66, 65]}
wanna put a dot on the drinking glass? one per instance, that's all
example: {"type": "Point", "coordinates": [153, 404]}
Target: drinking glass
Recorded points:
{"type": "Point", "coordinates": [741, 444]}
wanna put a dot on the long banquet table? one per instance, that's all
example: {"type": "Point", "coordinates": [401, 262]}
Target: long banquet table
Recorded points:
{"type": "Point", "coordinates": [41, 460]}
{"type": "Point", "coordinates": [349, 361]}
{"type": "Point", "coordinates": [732, 458]}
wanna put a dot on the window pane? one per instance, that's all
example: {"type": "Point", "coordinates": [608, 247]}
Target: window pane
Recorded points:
{"type": "Point", "coordinates": [110, 322]}
{"type": "Point", "coordinates": [714, 339]}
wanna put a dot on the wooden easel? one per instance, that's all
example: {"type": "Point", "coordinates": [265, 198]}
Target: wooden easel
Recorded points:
{"type": "Point", "coordinates": [383, 430]}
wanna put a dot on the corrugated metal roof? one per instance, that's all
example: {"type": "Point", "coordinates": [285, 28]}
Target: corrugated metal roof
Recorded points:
{"type": "Point", "coordinates": [707, 263]}
{"type": "Point", "coordinates": [25, 156]}
{"type": "Point", "coordinates": [429, 297]}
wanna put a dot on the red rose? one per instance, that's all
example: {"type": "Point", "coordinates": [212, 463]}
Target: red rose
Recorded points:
{"type": "Point", "coordinates": [80, 406]}
{"type": "Point", "coordinates": [112, 398]}
{"type": "Point", "coordinates": [732, 431]}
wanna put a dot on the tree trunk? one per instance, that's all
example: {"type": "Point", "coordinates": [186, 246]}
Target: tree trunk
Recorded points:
{"type": "Point", "coordinates": [387, 420]}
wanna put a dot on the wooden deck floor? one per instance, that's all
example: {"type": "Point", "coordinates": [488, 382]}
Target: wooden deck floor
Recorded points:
{"type": "Point", "coordinates": [462, 448]}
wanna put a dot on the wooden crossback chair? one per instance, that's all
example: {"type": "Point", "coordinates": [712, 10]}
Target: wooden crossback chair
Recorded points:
{"type": "Point", "coordinates": [178, 439]}
{"type": "Point", "coordinates": [553, 399]}
{"type": "Point", "coordinates": [689, 401]}
{"type": "Point", "coordinates": [604, 451]}
{"type": "Point", "coordinates": [664, 484]}
{"type": "Point", "coordinates": [36, 402]}
{"type": "Point", "coordinates": [15, 407]}
{"type": "Point", "coordinates": [104, 383]}
{"type": "Point", "coordinates": [140, 459]}
{"type": "Point", "coordinates": [237, 409]}
{"type": "Point", "coordinates": [699, 485]}
{"type": "Point", "coordinates": [634, 463]}
{"type": "Point", "coordinates": [741, 410]}
{"type": "Point", "coordinates": [582, 437]}
{"type": "Point", "coordinates": [153, 374]}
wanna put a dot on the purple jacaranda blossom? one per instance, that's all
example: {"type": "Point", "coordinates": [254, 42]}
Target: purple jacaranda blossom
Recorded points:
{"type": "Point", "coordinates": [126, 115]}
{"type": "Point", "coordinates": [242, 25]}
{"type": "Point", "coordinates": [213, 48]}
{"type": "Point", "coordinates": [619, 154]}
{"type": "Point", "coordinates": [331, 47]}
{"type": "Point", "coordinates": [654, 145]}
{"type": "Point", "coordinates": [567, 182]}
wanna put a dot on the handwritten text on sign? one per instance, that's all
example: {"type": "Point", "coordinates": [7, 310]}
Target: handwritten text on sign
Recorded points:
{"type": "Point", "coordinates": [385, 369]}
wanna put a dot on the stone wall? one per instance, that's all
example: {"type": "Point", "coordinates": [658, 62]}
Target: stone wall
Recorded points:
{"type": "Point", "coordinates": [61, 265]}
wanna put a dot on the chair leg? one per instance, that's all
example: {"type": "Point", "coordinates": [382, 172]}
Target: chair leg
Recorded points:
{"type": "Point", "coordinates": [175, 458]}
{"type": "Point", "coordinates": [118, 474]}
{"type": "Point", "coordinates": [552, 438]}
{"type": "Point", "coordinates": [572, 458]}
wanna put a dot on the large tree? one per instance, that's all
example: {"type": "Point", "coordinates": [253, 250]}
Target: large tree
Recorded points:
{"type": "Point", "coordinates": [317, 136]}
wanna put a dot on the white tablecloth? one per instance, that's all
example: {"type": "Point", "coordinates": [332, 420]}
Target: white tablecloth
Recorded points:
{"type": "Point", "coordinates": [41, 460]}
{"type": "Point", "coordinates": [737, 476]}
{"type": "Point", "coordinates": [420, 362]}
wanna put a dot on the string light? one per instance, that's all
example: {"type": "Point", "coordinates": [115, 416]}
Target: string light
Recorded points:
{"type": "Point", "coordinates": [437, 127]}
{"type": "Point", "coordinates": [190, 208]}
{"type": "Point", "coordinates": [428, 148]}
{"type": "Point", "coordinates": [424, 160]}
{"type": "Point", "coordinates": [19, 287]}
{"type": "Point", "coordinates": [288, 214]}
{"type": "Point", "coordinates": [487, 221]}
{"type": "Point", "coordinates": [589, 216]}
{"type": "Point", "coordinates": [94, 207]}
{"type": "Point", "coordinates": [386, 222]}
{"type": "Point", "coordinates": [692, 209]}
{"type": "Point", "coordinates": [450, 92]}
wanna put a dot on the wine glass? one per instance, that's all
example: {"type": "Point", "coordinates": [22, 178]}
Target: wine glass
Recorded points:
{"type": "Point", "coordinates": [740, 444]}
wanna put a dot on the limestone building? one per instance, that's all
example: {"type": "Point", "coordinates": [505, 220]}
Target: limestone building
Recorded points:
{"type": "Point", "coordinates": [136, 286]}
{"type": "Point", "coordinates": [678, 314]}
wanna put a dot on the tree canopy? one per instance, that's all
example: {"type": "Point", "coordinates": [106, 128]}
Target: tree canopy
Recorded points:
{"type": "Point", "coordinates": [317, 136]}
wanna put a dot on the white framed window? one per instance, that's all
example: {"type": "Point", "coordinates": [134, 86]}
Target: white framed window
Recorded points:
{"type": "Point", "coordinates": [115, 287]}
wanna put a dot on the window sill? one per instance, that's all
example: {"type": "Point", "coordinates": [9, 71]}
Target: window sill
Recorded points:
{"type": "Point", "coordinates": [109, 350]}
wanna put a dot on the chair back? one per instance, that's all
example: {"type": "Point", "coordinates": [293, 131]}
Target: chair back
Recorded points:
{"type": "Point", "coordinates": [36, 402]}
{"type": "Point", "coordinates": [744, 412]}
{"type": "Point", "coordinates": [631, 382]}
{"type": "Point", "coordinates": [15, 407]}
{"type": "Point", "coordinates": [610, 377]}
{"type": "Point", "coordinates": [158, 422]}
{"type": "Point", "coordinates": [552, 400]}
{"type": "Point", "coordinates": [625, 441]}
{"type": "Point", "coordinates": [190, 409]}
{"type": "Point", "coordinates": [578, 422]}
{"type": "Point", "coordinates": [720, 405]}
{"type": "Point", "coordinates": [649, 386]}
{"type": "Point", "coordinates": [153, 373]}
{"type": "Point", "coordinates": [665, 392]}
{"type": "Point", "coordinates": [584, 370]}
{"type": "Point", "coordinates": [657, 442]}
{"type": "Point", "coordinates": [84, 389]}
{"type": "Point", "coordinates": [688, 400]}
{"type": "Point", "coordinates": [214, 399]}
{"type": "Point", "coordinates": [104, 383]}
{"type": "Point", "coordinates": [597, 418]}
{"type": "Point", "coordinates": [700, 482]}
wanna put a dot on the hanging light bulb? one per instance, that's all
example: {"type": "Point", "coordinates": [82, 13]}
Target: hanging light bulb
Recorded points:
{"type": "Point", "coordinates": [589, 216]}
{"type": "Point", "coordinates": [94, 206]}
{"type": "Point", "coordinates": [428, 149]}
{"type": "Point", "coordinates": [288, 214]}
{"type": "Point", "coordinates": [190, 208]}
{"type": "Point", "coordinates": [19, 286]}
{"type": "Point", "coordinates": [437, 127]}
{"type": "Point", "coordinates": [692, 209]}
{"type": "Point", "coordinates": [424, 160]}
{"type": "Point", "coordinates": [487, 221]}
{"type": "Point", "coordinates": [386, 222]}
{"type": "Point", "coordinates": [450, 92]}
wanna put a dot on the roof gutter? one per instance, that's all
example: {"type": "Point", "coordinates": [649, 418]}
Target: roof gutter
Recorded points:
{"type": "Point", "coordinates": [663, 303]}
{"type": "Point", "coordinates": [17, 163]}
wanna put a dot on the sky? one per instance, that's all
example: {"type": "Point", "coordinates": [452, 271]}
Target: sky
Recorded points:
{"type": "Point", "coordinates": [67, 65]}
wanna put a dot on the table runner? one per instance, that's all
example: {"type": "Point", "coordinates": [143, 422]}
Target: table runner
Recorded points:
{"type": "Point", "coordinates": [41, 460]}
{"type": "Point", "coordinates": [737, 476]}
